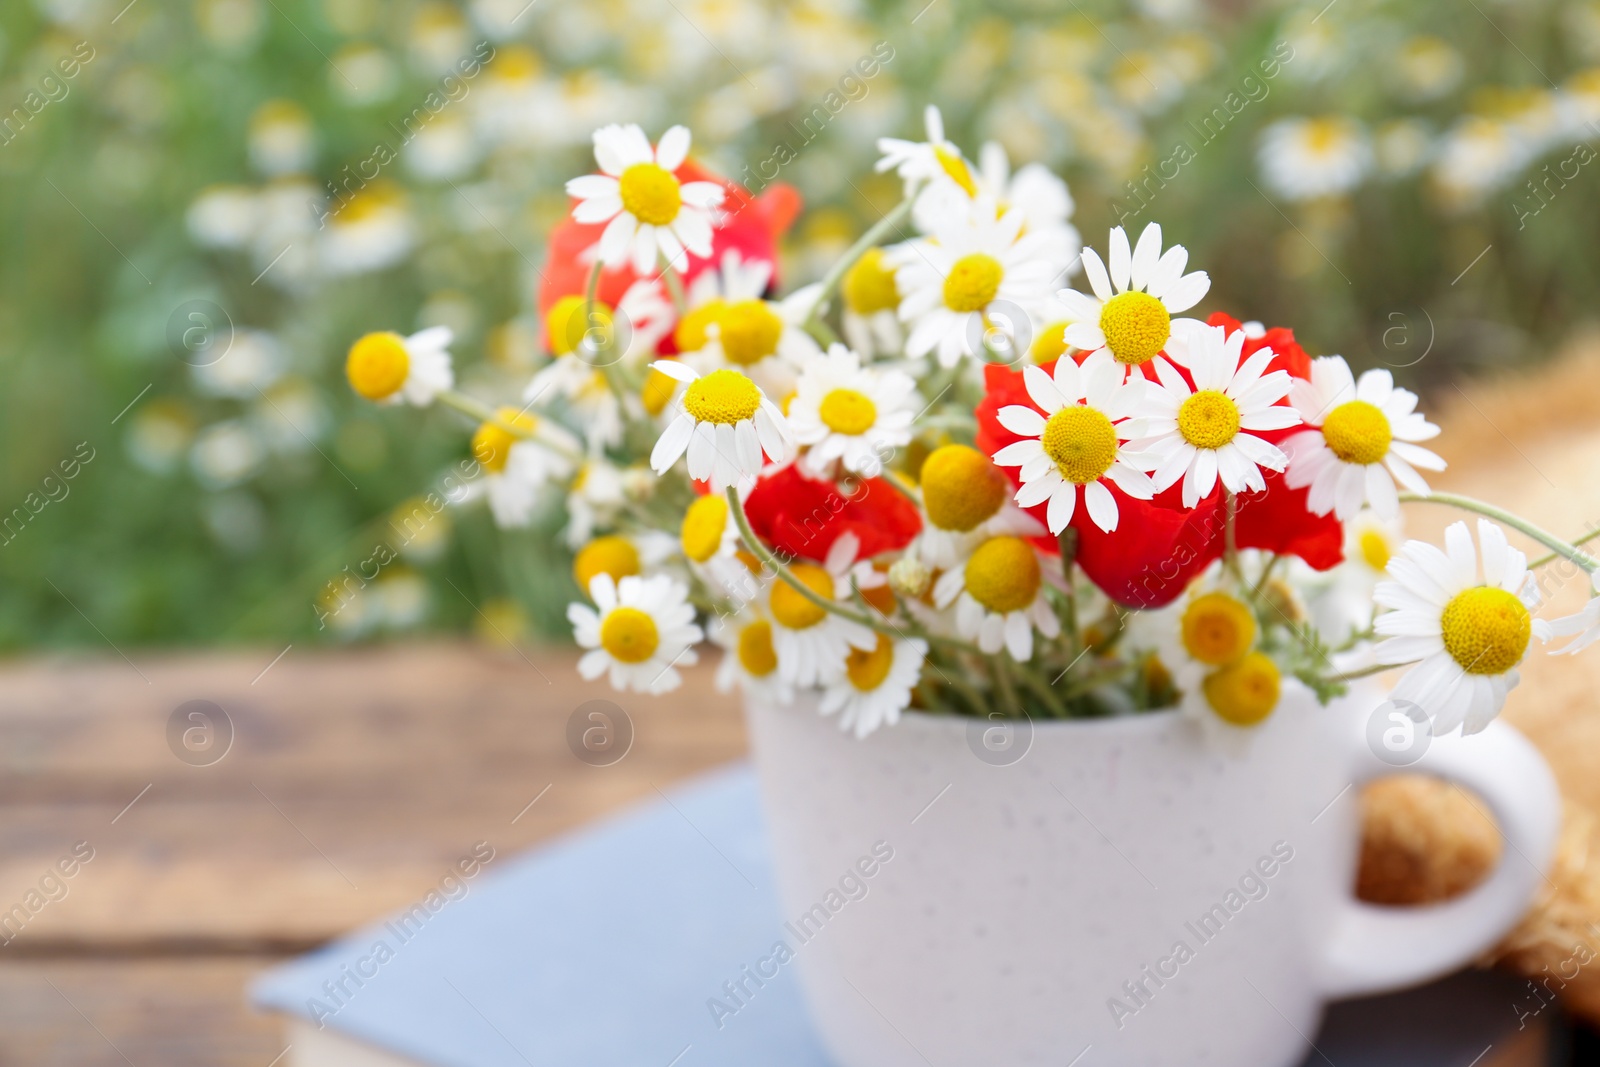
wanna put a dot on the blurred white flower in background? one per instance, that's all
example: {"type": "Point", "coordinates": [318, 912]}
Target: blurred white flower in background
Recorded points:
{"type": "Point", "coordinates": [363, 74]}
{"type": "Point", "coordinates": [224, 216]}
{"type": "Point", "coordinates": [281, 140]}
{"type": "Point", "coordinates": [1306, 158]}
{"type": "Point", "coordinates": [225, 454]}
{"type": "Point", "coordinates": [1427, 68]}
{"type": "Point", "coordinates": [370, 231]}
{"type": "Point", "coordinates": [253, 361]}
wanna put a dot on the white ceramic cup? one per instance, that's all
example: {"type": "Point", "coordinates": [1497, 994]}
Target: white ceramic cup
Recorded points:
{"type": "Point", "coordinates": [1043, 877]}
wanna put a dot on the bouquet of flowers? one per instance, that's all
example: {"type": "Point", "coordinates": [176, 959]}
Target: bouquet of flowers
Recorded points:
{"type": "Point", "coordinates": [947, 477]}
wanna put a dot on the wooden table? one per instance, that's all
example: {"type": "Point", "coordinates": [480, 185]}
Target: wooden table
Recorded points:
{"type": "Point", "coordinates": [354, 780]}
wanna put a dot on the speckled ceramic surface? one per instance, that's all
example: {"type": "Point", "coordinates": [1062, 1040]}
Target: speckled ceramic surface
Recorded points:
{"type": "Point", "coordinates": [1110, 892]}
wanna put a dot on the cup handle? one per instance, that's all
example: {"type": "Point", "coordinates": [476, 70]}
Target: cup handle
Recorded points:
{"type": "Point", "coordinates": [1374, 948]}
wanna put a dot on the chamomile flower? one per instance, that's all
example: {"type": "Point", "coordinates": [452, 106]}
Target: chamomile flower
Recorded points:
{"type": "Point", "coordinates": [583, 348]}
{"type": "Point", "coordinates": [1583, 628]}
{"type": "Point", "coordinates": [639, 630]}
{"type": "Point", "coordinates": [765, 339]}
{"type": "Point", "coordinates": [621, 556]}
{"type": "Point", "coordinates": [967, 500]}
{"type": "Point", "coordinates": [811, 641]}
{"type": "Point", "coordinates": [594, 498]}
{"type": "Point", "coordinates": [998, 593]}
{"type": "Point", "coordinates": [844, 413]}
{"type": "Point", "coordinates": [1041, 197]}
{"type": "Point", "coordinates": [730, 324]}
{"type": "Point", "coordinates": [1203, 434]}
{"type": "Point", "coordinates": [749, 659]}
{"type": "Point", "coordinates": [1340, 600]}
{"type": "Point", "coordinates": [871, 300]}
{"type": "Point", "coordinates": [650, 212]}
{"type": "Point", "coordinates": [920, 162]}
{"type": "Point", "coordinates": [1305, 158]}
{"type": "Point", "coordinates": [1465, 634]}
{"type": "Point", "coordinates": [875, 686]}
{"type": "Point", "coordinates": [1361, 441]}
{"type": "Point", "coordinates": [709, 540]}
{"type": "Point", "coordinates": [724, 422]}
{"type": "Point", "coordinates": [974, 260]}
{"type": "Point", "coordinates": [1077, 443]}
{"type": "Point", "coordinates": [1210, 648]}
{"type": "Point", "coordinates": [519, 453]}
{"type": "Point", "coordinates": [387, 368]}
{"type": "Point", "coordinates": [1130, 313]}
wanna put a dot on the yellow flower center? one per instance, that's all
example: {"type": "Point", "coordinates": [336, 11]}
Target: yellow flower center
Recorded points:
{"type": "Point", "coordinates": [650, 194]}
{"type": "Point", "coordinates": [953, 165]}
{"type": "Point", "coordinates": [755, 649]}
{"type": "Point", "coordinates": [790, 608]}
{"type": "Point", "coordinates": [1208, 419]}
{"type": "Point", "coordinates": [693, 330]}
{"type": "Point", "coordinates": [848, 412]}
{"type": "Point", "coordinates": [611, 555]}
{"type": "Point", "coordinates": [1244, 693]}
{"type": "Point", "coordinates": [1323, 134]}
{"type": "Point", "coordinates": [1357, 432]}
{"type": "Point", "coordinates": [868, 286]}
{"type": "Point", "coordinates": [1486, 630]}
{"type": "Point", "coordinates": [1082, 441]}
{"type": "Point", "coordinates": [1050, 344]}
{"type": "Point", "coordinates": [703, 526]}
{"type": "Point", "coordinates": [1218, 629]}
{"type": "Point", "coordinates": [961, 487]}
{"type": "Point", "coordinates": [1136, 325]}
{"type": "Point", "coordinates": [566, 324]}
{"type": "Point", "coordinates": [629, 635]}
{"type": "Point", "coordinates": [725, 397]}
{"type": "Point", "coordinates": [1375, 549]}
{"type": "Point", "coordinates": [749, 331]}
{"type": "Point", "coordinates": [491, 445]}
{"type": "Point", "coordinates": [867, 670]}
{"type": "Point", "coordinates": [1003, 574]}
{"type": "Point", "coordinates": [657, 391]}
{"type": "Point", "coordinates": [972, 282]}
{"type": "Point", "coordinates": [378, 365]}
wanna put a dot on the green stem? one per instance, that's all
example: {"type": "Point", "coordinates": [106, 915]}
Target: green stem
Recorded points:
{"type": "Point", "coordinates": [669, 274]}
{"type": "Point", "coordinates": [1259, 588]}
{"type": "Point", "coordinates": [1367, 672]}
{"type": "Point", "coordinates": [874, 235]}
{"type": "Point", "coordinates": [1094, 681]}
{"type": "Point", "coordinates": [1230, 542]}
{"type": "Point", "coordinates": [1556, 545]}
{"type": "Point", "coordinates": [1068, 540]}
{"type": "Point", "coordinates": [1002, 665]}
{"type": "Point", "coordinates": [483, 413]}
{"type": "Point", "coordinates": [1041, 689]}
{"type": "Point", "coordinates": [1576, 541]}
{"type": "Point", "coordinates": [476, 409]}
{"type": "Point", "coordinates": [822, 333]}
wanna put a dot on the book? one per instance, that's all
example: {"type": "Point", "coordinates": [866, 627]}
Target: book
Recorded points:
{"type": "Point", "coordinates": [625, 944]}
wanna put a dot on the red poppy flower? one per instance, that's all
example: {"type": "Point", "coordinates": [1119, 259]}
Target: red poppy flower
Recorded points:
{"type": "Point", "coordinates": [750, 225]}
{"type": "Point", "coordinates": [803, 516]}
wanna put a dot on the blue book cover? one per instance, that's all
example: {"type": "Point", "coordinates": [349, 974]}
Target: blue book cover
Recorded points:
{"type": "Point", "coordinates": [627, 943]}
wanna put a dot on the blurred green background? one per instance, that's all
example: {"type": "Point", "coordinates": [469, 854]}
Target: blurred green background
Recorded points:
{"type": "Point", "coordinates": [1406, 183]}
